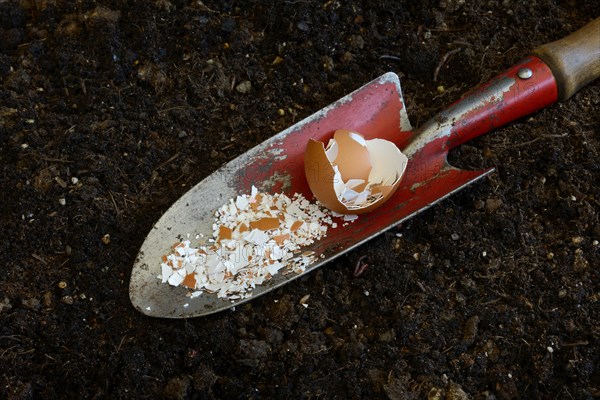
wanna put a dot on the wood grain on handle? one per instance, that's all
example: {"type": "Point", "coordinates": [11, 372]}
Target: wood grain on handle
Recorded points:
{"type": "Point", "coordinates": [574, 60]}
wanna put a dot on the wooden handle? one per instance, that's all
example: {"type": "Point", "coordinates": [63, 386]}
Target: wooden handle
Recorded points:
{"type": "Point", "coordinates": [574, 60]}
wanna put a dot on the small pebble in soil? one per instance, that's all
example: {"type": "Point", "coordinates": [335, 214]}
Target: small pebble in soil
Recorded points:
{"type": "Point", "coordinates": [492, 204]}
{"type": "Point", "coordinates": [204, 378]}
{"type": "Point", "coordinates": [577, 240]}
{"type": "Point", "coordinates": [435, 394]}
{"type": "Point", "coordinates": [62, 201]}
{"type": "Point", "coordinates": [106, 239]}
{"type": "Point", "coordinates": [387, 336]}
{"type": "Point", "coordinates": [244, 87]}
{"type": "Point", "coordinates": [304, 300]}
{"type": "Point", "coordinates": [177, 388]}
{"type": "Point", "coordinates": [5, 304]}
{"type": "Point", "coordinates": [32, 303]}
{"type": "Point", "coordinates": [328, 64]}
{"type": "Point", "coordinates": [455, 236]}
{"type": "Point", "coordinates": [357, 41]}
{"type": "Point", "coordinates": [470, 330]}
{"type": "Point", "coordinates": [67, 300]}
{"type": "Point", "coordinates": [47, 299]}
{"type": "Point", "coordinates": [62, 284]}
{"type": "Point", "coordinates": [580, 263]}
{"type": "Point", "coordinates": [347, 57]}
{"type": "Point", "coordinates": [455, 392]}
{"type": "Point", "coordinates": [60, 182]}
{"type": "Point", "coordinates": [302, 26]}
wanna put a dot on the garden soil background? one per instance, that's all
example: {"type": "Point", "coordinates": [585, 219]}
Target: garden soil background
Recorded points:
{"type": "Point", "coordinates": [109, 111]}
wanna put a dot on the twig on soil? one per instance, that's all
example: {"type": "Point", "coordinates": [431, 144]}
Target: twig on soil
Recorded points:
{"type": "Point", "coordinates": [443, 29]}
{"type": "Point", "coordinates": [40, 259]}
{"type": "Point", "coordinates": [421, 286]}
{"type": "Point", "coordinates": [7, 350]}
{"type": "Point", "coordinates": [167, 161]}
{"type": "Point", "coordinates": [16, 338]}
{"type": "Point", "coordinates": [580, 343]}
{"type": "Point", "coordinates": [443, 61]}
{"type": "Point", "coordinates": [360, 267]}
{"type": "Point", "coordinates": [201, 4]}
{"type": "Point", "coordinates": [114, 202]}
{"type": "Point", "coordinates": [388, 57]}
{"type": "Point", "coordinates": [121, 343]}
{"type": "Point", "coordinates": [164, 110]}
{"type": "Point", "coordinates": [546, 136]}
{"type": "Point", "coordinates": [462, 43]}
{"type": "Point", "coordinates": [49, 159]}
{"type": "Point", "coordinates": [59, 138]}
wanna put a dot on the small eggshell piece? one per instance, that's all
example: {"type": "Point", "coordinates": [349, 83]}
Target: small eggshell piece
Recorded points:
{"type": "Point", "coordinates": [265, 224]}
{"type": "Point", "coordinates": [224, 233]}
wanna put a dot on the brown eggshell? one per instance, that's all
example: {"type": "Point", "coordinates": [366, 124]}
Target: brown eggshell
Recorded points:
{"type": "Point", "coordinates": [320, 173]}
{"type": "Point", "coordinates": [296, 225]}
{"type": "Point", "coordinates": [189, 281]}
{"type": "Point", "coordinates": [265, 224]}
{"type": "Point", "coordinates": [353, 160]}
{"type": "Point", "coordinates": [224, 232]}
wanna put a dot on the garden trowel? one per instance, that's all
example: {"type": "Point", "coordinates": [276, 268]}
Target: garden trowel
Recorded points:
{"type": "Point", "coordinates": [553, 72]}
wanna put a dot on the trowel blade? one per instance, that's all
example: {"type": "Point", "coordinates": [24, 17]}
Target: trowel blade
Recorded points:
{"type": "Point", "coordinates": [277, 165]}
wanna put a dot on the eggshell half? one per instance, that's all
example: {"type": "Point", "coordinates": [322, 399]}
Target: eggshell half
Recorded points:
{"type": "Point", "coordinates": [353, 159]}
{"type": "Point", "coordinates": [320, 175]}
{"type": "Point", "coordinates": [350, 164]}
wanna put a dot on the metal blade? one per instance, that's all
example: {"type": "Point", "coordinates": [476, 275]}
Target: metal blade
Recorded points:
{"type": "Point", "coordinates": [376, 110]}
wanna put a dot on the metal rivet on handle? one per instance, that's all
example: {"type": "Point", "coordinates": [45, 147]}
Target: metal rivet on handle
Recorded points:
{"type": "Point", "coordinates": [524, 73]}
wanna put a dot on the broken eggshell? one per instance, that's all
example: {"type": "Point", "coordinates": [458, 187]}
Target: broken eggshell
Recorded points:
{"type": "Point", "coordinates": [353, 175]}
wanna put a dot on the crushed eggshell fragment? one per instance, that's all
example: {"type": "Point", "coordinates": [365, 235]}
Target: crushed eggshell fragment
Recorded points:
{"type": "Point", "coordinates": [224, 232]}
{"type": "Point", "coordinates": [353, 175]}
{"type": "Point", "coordinates": [254, 237]}
{"type": "Point", "coordinates": [265, 224]}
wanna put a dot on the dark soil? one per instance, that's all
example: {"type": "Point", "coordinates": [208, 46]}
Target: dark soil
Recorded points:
{"type": "Point", "coordinates": [493, 294]}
